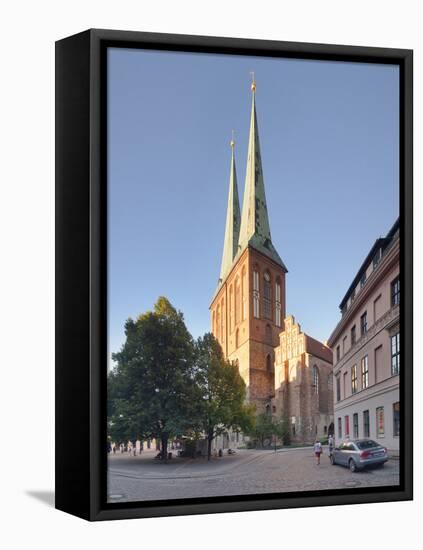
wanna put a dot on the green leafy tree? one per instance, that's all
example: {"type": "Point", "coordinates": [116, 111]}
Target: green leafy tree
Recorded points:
{"type": "Point", "coordinates": [220, 405]}
{"type": "Point", "coordinates": [266, 427]}
{"type": "Point", "coordinates": [282, 429]}
{"type": "Point", "coordinates": [262, 429]}
{"type": "Point", "coordinates": [152, 389]}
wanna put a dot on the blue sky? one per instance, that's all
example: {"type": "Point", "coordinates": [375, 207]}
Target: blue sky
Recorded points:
{"type": "Point", "coordinates": [329, 135]}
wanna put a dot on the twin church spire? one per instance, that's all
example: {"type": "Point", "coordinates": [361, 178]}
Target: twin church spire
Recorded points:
{"type": "Point", "coordinates": [252, 227]}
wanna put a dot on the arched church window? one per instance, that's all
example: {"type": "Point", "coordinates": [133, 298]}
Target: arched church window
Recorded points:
{"type": "Point", "coordinates": [214, 323]}
{"type": "Point", "coordinates": [316, 379]}
{"type": "Point", "coordinates": [278, 303]}
{"type": "Point", "coordinates": [268, 335]}
{"type": "Point", "coordinates": [244, 293]}
{"type": "Point", "coordinates": [237, 301]}
{"type": "Point", "coordinates": [222, 323]}
{"type": "Point", "coordinates": [237, 338]}
{"type": "Point", "coordinates": [269, 363]}
{"type": "Point", "coordinates": [267, 296]}
{"type": "Point", "coordinates": [256, 294]}
{"type": "Point", "coordinates": [231, 309]}
{"type": "Point", "coordinates": [218, 322]}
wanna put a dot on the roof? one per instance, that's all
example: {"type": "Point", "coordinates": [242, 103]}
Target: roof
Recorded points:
{"type": "Point", "coordinates": [383, 243]}
{"type": "Point", "coordinates": [233, 221]}
{"type": "Point", "coordinates": [255, 227]}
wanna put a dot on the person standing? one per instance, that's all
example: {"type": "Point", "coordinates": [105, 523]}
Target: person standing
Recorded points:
{"type": "Point", "coordinates": [317, 451]}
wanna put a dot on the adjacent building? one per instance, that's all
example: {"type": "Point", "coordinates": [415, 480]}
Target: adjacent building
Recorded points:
{"type": "Point", "coordinates": [248, 314]}
{"type": "Point", "coordinates": [303, 383]}
{"type": "Point", "coordinates": [366, 349]}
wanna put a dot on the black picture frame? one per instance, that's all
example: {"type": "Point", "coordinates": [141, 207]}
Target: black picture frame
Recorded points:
{"type": "Point", "coordinates": [81, 272]}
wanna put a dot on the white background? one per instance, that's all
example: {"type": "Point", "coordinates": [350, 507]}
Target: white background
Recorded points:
{"type": "Point", "coordinates": [28, 32]}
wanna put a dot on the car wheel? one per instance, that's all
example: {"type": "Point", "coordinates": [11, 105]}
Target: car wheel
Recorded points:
{"type": "Point", "coordinates": [352, 465]}
{"type": "Point", "coordinates": [332, 460]}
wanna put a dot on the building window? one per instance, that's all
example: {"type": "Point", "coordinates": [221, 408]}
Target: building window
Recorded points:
{"type": "Point", "coordinates": [354, 379]}
{"type": "Point", "coordinates": [395, 354]}
{"type": "Point", "coordinates": [339, 428]}
{"type": "Point", "coordinates": [353, 335]}
{"type": "Point", "coordinates": [244, 293]}
{"type": "Point", "coordinates": [352, 295]}
{"type": "Point", "coordinates": [376, 258]}
{"type": "Point", "coordinates": [396, 411]}
{"type": "Point", "coordinates": [365, 372]}
{"type": "Point", "coordinates": [345, 385]}
{"type": "Point", "coordinates": [278, 304]}
{"type": "Point", "coordinates": [363, 280]}
{"type": "Point", "coordinates": [214, 323]}
{"type": "Point", "coordinates": [222, 324]}
{"type": "Point", "coordinates": [366, 424]}
{"type": "Point", "coordinates": [218, 322]}
{"type": "Point", "coordinates": [347, 425]}
{"type": "Point", "coordinates": [316, 379]}
{"type": "Point", "coordinates": [395, 292]}
{"type": "Point", "coordinates": [380, 422]}
{"type": "Point", "coordinates": [338, 353]}
{"type": "Point", "coordinates": [237, 301]}
{"type": "Point", "coordinates": [355, 425]}
{"type": "Point", "coordinates": [377, 308]}
{"type": "Point", "coordinates": [344, 345]}
{"type": "Point", "coordinates": [267, 297]}
{"type": "Point", "coordinates": [378, 364]}
{"type": "Point", "coordinates": [363, 323]}
{"type": "Point", "coordinates": [338, 388]}
{"type": "Point", "coordinates": [268, 363]}
{"type": "Point", "coordinates": [268, 335]}
{"type": "Point", "coordinates": [231, 309]}
{"type": "Point", "coordinates": [256, 294]}
{"type": "Point", "coordinates": [237, 338]}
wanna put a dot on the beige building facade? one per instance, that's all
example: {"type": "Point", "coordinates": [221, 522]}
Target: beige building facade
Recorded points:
{"type": "Point", "coordinates": [366, 349]}
{"type": "Point", "coordinates": [303, 384]}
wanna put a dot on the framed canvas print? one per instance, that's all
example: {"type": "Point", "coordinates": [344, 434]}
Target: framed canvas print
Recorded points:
{"type": "Point", "coordinates": [234, 274]}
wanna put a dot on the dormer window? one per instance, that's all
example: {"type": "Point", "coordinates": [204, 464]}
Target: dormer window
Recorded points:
{"type": "Point", "coordinates": [376, 258]}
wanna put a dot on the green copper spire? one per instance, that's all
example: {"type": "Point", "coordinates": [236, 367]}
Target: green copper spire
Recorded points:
{"type": "Point", "coordinates": [255, 229]}
{"type": "Point", "coordinates": [233, 220]}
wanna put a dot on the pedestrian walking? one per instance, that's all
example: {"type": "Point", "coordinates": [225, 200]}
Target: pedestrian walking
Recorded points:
{"type": "Point", "coordinates": [331, 443]}
{"type": "Point", "coordinates": [317, 450]}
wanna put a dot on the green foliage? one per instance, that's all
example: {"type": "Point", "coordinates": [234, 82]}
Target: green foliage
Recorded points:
{"type": "Point", "coordinates": [221, 392]}
{"type": "Point", "coordinates": [267, 428]}
{"type": "Point", "coordinates": [166, 385]}
{"type": "Point", "coordinates": [152, 389]}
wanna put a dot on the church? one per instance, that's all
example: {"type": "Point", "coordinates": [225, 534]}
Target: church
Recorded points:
{"type": "Point", "coordinates": [288, 374]}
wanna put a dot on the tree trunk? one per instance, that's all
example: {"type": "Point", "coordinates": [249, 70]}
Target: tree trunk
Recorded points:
{"type": "Point", "coordinates": [209, 443]}
{"type": "Point", "coordinates": [164, 440]}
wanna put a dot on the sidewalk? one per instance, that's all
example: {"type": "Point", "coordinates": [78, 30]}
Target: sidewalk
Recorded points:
{"type": "Point", "coordinates": [147, 467]}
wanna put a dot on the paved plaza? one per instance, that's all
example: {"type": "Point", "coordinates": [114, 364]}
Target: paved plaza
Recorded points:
{"type": "Point", "coordinates": [247, 472]}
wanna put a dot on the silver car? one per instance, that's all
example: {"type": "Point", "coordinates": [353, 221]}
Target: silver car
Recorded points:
{"type": "Point", "coordinates": [359, 454]}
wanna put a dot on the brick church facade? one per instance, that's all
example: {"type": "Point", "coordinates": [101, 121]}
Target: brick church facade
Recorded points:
{"type": "Point", "coordinates": [287, 373]}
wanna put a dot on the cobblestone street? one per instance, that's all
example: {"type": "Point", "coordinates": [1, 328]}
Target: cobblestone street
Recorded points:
{"type": "Point", "coordinates": [246, 472]}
